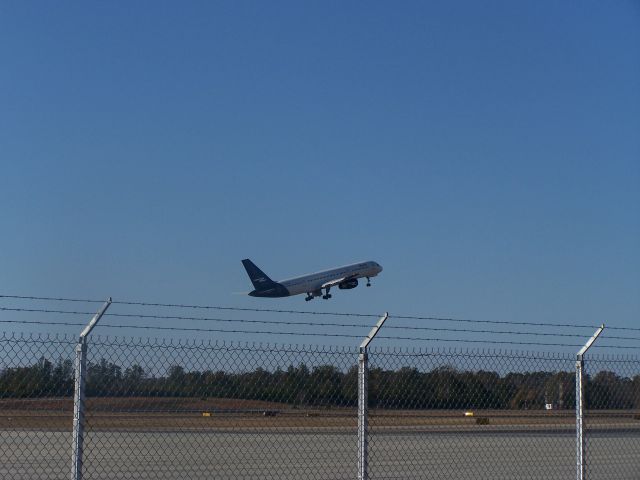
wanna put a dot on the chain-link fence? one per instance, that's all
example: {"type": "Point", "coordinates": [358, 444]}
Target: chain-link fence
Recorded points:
{"type": "Point", "coordinates": [168, 409]}
{"type": "Point", "coordinates": [36, 406]}
{"type": "Point", "coordinates": [612, 420]}
{"type": "Point", "coordinates": [451, 414]}
{"type": "Point", "coordinates": [200, 410]}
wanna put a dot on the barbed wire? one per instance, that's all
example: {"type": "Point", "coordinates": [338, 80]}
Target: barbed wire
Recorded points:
{"type": "Point", "coordinates": [203, 307]}
{"type": "Point", "coordinates": [509, 322]}
{"type": "Point", "coordinates": [315, 324]}
{"type": "Point", "coordinates": [181, 317]}
{"type": "Point", "coordinates": [185, 329]}
{"type": "Point", "coordinates": [307, 312]}
{"type": "Point", "coordinates": [313, 334]}
{"type": "Point", "coordinates": [45, 310]}
{"type": "Point", "coordinates": [52, 299]}
{"type": "Point", "coordinates": [503, 342]}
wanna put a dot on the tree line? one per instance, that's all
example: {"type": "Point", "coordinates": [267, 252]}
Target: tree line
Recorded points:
{"type": "Point", "coordinates": [328, 386]}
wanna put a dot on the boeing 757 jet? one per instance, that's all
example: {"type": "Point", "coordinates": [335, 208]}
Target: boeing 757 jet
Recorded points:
{"type": "Point", "coordinates": [343, 277]}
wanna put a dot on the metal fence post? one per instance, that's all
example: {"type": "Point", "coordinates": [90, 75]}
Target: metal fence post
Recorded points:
{"type": "Point", "coordinates": [580, 436]}
{"type": "Point", "coordinates": [363, 401]}
{"type": "Point", "coordinates": [363, 415]}
{"type": "Point", "coordinates": [78, 394]}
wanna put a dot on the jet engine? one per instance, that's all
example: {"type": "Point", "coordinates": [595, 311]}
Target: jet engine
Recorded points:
{"type": "Point", "coordinates": [347, 284]}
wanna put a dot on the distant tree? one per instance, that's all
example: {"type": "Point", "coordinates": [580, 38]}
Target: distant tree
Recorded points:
{"type": "Point", "coordinates": [62, 378]}
{"type": "Point", "coordinates": [133, 381]}
{"type": "Point", "coordinates": [324, 386]}
{"type": "Point", "coordinates": [444, 387]}
{"type": "Point", "coordinates": [608, 390]}
{"type": "Point", "coordinates": [104, 379]}
{"type": "Point", "coordinates": [635, 392]}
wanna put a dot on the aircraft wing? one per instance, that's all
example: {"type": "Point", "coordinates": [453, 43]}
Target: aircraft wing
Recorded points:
{"type": "Point", "coordinates": [337, 281]}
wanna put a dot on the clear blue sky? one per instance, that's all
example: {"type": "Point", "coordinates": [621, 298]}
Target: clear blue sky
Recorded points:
{"type": "Point", "coordinates": [487, 154]}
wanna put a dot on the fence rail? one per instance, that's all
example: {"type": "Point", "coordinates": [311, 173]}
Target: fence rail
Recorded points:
{"type": "Point", "coordinates": [193, 409]}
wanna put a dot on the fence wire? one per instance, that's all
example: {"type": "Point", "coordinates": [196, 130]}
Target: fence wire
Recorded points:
{"type": "Point", "coordinates": [178, 409]}
{"type": "Point", "coordinates": [200, 410]}
{"type": "Point", "coordinates": [451, 414]}
{"type": "Point", "coordinates": [36, 406]}
{"type": "Point", "coordinates": [612, 419]}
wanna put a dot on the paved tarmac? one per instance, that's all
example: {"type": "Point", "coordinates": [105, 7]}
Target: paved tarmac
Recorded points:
{"type": "Point", "coordinates": [288, 455]}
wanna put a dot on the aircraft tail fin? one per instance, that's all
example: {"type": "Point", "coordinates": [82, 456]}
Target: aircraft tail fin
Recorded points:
{"type": "Point", "coordinates": [259, 279]}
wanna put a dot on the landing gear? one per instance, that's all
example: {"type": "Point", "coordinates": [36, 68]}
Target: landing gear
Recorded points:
{"type": "Point", "coordinates": [327, 295]}
{"type": "Point", "coordinates": [368, 282]}
{"type": "Point", "coordinates": [308, 297]}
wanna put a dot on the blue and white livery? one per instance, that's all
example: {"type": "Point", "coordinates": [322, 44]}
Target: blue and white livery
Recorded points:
{"type": "Point", "coordinates": [313, 284]}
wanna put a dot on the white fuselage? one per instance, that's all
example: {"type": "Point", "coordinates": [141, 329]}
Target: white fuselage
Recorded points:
{"type": "Point", "coordinates": [313, 282]}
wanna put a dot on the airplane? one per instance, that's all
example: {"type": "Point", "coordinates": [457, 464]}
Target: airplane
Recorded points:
{"type": "Point", "coordinates": [343, 277]}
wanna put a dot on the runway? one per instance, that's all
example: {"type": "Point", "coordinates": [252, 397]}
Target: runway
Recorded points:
{"type": "Point", "coordinates": [287, 455]}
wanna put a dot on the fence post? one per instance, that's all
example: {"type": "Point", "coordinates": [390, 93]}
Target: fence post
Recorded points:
{"type": "Point", "coordinates": [363, 415]}
{"type": "Point", "coordinates": [580, 436]}
{"type": "Point", "coordinates": [78, 394]}
{"type": "Point", "coordinates": [363, 401]}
